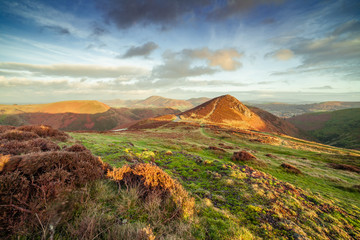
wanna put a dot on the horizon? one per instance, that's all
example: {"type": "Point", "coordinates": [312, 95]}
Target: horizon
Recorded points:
{"type": "Point", "coordinates": [294, 102]}
{"type": "Point", "coordinates": [278, 51]}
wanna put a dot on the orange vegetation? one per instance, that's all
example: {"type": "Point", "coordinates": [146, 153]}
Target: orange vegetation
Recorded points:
{"type": "Point", "coordinates": [78, 106]}
{"type": "Point", "coordinates": [225, 110]}
{"type": "Point", "coordinates": [153, 179]}
{"type": "Point", "coordinates": [36, 172]}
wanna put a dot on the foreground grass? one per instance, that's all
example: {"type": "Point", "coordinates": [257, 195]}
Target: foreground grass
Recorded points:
{"type": "Point", "coordinates": [238, 202]}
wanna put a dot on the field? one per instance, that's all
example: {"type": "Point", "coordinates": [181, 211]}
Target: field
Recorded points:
{"type": "Point", "coordinates": [176, 181]}
{"type": "Point", "coordinates": [257, 198]}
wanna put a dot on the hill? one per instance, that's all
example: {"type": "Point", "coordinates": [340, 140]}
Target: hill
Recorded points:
{"type": "Point", "coordinates": [178, 181]}
{"type": "Point", "coordinates": [290, 110]}
{"type": "Point", "coordinates": [62, 119]}
{"type": "Point", "coordinates": [230, 112]}
{"type": "Point", "coordinates": [198, 101]}
{"type": "Point", "coordinates": [338, 128]}
{"type": "Point", "coordinates": [79, 106]}
{"type": "Point", "coordinates": [157, 102]}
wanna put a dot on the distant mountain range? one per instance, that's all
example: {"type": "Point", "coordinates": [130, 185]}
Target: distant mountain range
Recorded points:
{"type": "Point", "coordinates": [156, 102]}
{"type": "Point", "coordinates": [283, 110]}
{"type": "Point", "coordinates": [77, 115]}
{"type": "Point", "coordinates": [290, 110]}
{"type": "Point", "coordinates": [338, 128]}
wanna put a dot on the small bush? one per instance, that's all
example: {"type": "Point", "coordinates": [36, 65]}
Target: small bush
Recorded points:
{"type": "Point", "coordinates": [29, 182]}
{"type": "Point", "coordinates": [45, 131]}
{"type": "Point", "coordinates": [4, 128]}
{"type": "Point", "coordinates": [16, 147]}
{"type": "Point", "coordinates": [242, 156]}
{"type": "Point", "coordinates": [154, 180]}
{"type": "Point", "coordinates": [18, 135]}
{"type": "Point", "coordinates": [290, 168]}
{"type": "Point", "coordinates": [216, 149]}
{"type": "Point", "coordinates": [43, 144]}
{"type": "Point", "coordinates": [345, 167]}
{"type": "Point", "coordinates": [76, 148]}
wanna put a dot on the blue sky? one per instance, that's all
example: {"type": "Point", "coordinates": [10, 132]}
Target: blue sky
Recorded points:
{"type": "Point", "coordinates": [256, 50]}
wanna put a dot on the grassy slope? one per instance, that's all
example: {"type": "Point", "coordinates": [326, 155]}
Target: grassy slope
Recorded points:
{"type": "Point", "coordinates": [77, 106]}
{"type": "Point", "coordinates": [339, 128]}
{"type": "Point", "coordinates": [230, 197]}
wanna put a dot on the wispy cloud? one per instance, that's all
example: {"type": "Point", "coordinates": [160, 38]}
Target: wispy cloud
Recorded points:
{"type": "Point", "coordinates": [50, 18]}
{"type": "Point", "coordinates": [322, 87]}
{"type": "Point", "coordinates": [75, 70]}
{"type": "Point", "coordinates": [282, 54]}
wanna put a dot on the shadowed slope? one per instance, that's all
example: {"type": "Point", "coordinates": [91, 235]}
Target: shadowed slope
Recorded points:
{"type": "Point", "coordinates": [338, 128]}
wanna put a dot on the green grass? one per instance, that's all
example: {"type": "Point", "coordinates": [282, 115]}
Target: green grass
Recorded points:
{"type": "Point", "coordinates": [341, 130]}
{"type": "Point", "coordinates": [231, 202]}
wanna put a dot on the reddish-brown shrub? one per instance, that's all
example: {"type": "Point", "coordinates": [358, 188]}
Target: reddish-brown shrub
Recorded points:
{"type": "Point", "coordinates": [43, 144]}
{"type": "Point", "coordinates": [345, 167]}
{"type": "Point", "coordinates": [15, 147]}
{"type": "Point", "coordinates": [242, 156]}
{"type": "Point", "coordinates": [216, 149]}
{"type": "Point", "coordinates": [76, 148]}
{"type": "Point", "coordinates": [45, 131]}
{"type": "Point", "coordinates": [18, 135]}
{"type": "Point", "coordinates": [30, 182]}
{"type": "Point", "coordinates": [4, 128]}
{"type": "Point", "coordinates": [225, 146]}
{"type": "Point", "coordinates": [152, 179]}
{"type": "Point", "coordinates": [290, 168]}
{"type": "Point", "coordinates": [270, 155]}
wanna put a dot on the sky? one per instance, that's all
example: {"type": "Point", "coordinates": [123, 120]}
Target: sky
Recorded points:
{"type": "Point", "coordinates": [255, 50]}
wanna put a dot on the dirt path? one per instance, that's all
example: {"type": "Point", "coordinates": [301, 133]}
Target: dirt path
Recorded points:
{"type": "Point", "coordinates": [212, 111]}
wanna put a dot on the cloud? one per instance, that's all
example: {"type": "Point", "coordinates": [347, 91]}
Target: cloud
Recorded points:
{"type": "Point", "coordinates": [143, 50]}
{"type": "Point", "coordinates": [184, 63]}
{"type": "Point", "coordinates": [178, 65]}
{"type": "Point", "coordinates": [282, 54]}
{"type": "Point", "coordinates": [17, 82]}
{"type": "Point", "coordinates": [127, 13]}
{"type": "Point", "coordinates": [98, 30]}
{"type": "Point", "coordinates": [268, 21]}
{"type": "Point", "coordinates": [74, 70]}
{"type": "Point", "coordinates": [352, 26]}
{"type": "Point", "coordinates": [58, 30]}
{"type": "Point", "coordinates": [234, 7]}
{"type": "Point", "coordinates": [46, 16]}
{"type": "Point", "coordinates": [322, 88]}
{"type": "Point", "coordinates": [341, 46]}
{"type": "Point", "coordinates": [224, 58]}
{"type": "Point", "coordinates": [336, 53]}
